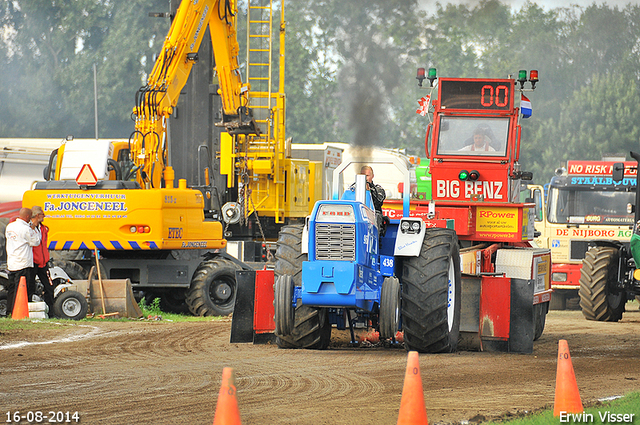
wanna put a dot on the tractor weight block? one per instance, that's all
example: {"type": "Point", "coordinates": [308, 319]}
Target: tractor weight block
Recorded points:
{"type": "Point", "coordinates": [242, 320]}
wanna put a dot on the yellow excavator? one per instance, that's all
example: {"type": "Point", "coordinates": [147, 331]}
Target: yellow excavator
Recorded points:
{"type": "Point", "coordinates": [121, 199]}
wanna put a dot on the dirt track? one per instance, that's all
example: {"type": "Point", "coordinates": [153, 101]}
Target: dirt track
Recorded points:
{"type": "Point", "coordinates": [168, 373]}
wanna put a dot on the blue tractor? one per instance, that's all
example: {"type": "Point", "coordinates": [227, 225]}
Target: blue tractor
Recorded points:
{"type": "Point", "coordinates": [457, 270]}
{"type": "Point", "coordinates": [339, 269]}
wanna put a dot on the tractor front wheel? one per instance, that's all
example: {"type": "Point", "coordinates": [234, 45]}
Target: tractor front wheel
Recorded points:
{"type": "Point", "coordinates": [283, 307]}
{"type": "Point", "coordinates": [390, 306]}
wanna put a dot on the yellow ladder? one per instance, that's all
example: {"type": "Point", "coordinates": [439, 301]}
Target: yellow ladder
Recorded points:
{"type": "Point", "coordinates": [267, 102]}
{"type": "Point", "coordinates": [259, 65]}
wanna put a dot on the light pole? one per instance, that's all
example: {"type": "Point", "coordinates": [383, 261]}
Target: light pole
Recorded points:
{"type": "Point", "coordinates": [95, 96]}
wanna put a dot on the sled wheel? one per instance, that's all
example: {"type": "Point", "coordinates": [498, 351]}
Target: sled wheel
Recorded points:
{"type": "Point", "coordinates": [540, 318]}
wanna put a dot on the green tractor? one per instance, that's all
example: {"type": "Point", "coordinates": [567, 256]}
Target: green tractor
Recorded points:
{"type": "Point", "coordinates": [610, 275]}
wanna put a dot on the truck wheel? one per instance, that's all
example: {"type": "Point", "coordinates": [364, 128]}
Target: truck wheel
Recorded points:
{"type": "Point", "coordinates": [540, 318]}
{"type": "Point", "coordinates": [431, 286]}
{"type": "Point", "coordinates": [72, 269]}
{"type": "Point", "coordinates": [213, 288]}
{"type": "Point", "coordinates": [597, 278]}
{"type": "Point", "coordinates": [70, 305]}
{"type": "Point", "coordinates": [66, 255]}
{"type": "Point", "coordinates": [311, 326]}
{"type": "Point", "coordinates": [150, 297]}
{"type": "Point", "coordinates": [173, 301]}
{"type": "Point", "coordinates": [390, 307]}
{"type": "Point", "coordinates": [3, 303]}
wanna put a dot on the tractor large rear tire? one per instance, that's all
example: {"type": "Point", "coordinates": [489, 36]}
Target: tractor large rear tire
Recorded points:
{"type": "Point", "coordinates": [431, 292]}
{"type": "Point", "coordinates": [213, 288]}
{"type": "Point", "coordinates": [598, 298]}
{"type": "Point", "coordinates": [311, 326]}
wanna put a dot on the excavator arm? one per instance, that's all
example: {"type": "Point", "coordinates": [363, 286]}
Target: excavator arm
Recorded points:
{"type": "Point", "coordinates": [253, 154]}
{"type": "Point", "coordinates": [156, 100]}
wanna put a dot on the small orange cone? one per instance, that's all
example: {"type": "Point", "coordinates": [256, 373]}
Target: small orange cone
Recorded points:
{"type": "Point", "coordinates": [567, 399]}
{"type": "Point", "coordinates": [21, 303]}
{"type": "Point", "coordinates": [227, 412]}
{"type": "Point", "coordinates": [412, 408]}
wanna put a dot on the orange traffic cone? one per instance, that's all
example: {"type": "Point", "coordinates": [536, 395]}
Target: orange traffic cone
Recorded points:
{"type": "Point", "coordinates": [227, 412]}
{"type": "Point", "coordinates": [412, 409]}
{"type": "Point", "coordinates": [567, 397]}
{"type": "Point", "coordinates": [21, 303]}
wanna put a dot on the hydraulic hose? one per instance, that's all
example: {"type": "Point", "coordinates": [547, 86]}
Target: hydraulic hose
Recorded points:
{"type": "Point", "coordinates": [113, 164]}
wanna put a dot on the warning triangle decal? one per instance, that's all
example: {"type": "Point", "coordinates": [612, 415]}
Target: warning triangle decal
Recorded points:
{"type": "Point", "coordinates": [86, 176]}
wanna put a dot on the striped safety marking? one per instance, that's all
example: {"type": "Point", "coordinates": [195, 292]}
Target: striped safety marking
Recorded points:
{"type": "Point", "coordinates": [71, 245]}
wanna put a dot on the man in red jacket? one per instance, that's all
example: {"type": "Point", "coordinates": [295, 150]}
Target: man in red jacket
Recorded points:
{"type": "Point", "coordinates": [41, 257]}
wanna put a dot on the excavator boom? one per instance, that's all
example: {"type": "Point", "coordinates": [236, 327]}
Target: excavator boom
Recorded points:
{"type": "Point", "coordinates": [156, 100]}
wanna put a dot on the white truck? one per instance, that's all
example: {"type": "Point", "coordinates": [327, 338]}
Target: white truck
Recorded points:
{"type": "Point", "coordinates": [582, 205]}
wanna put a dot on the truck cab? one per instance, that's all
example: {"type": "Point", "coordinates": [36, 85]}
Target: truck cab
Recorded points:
{"type": "Point", "coordinates": [583, 207]}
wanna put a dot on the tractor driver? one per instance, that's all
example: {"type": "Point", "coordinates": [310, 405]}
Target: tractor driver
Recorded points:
{"type": "Point", "coordinates": [480, 142]}
{"type": "Point", "coordinates": [378, 196]}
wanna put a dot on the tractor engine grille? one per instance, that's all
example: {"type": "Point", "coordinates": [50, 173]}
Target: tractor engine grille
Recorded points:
{"type": "Point", "coordinates": [335, 241]}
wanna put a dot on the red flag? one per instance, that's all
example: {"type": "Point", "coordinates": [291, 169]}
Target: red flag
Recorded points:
{"type": "Point", "coordinates": [424, 105]}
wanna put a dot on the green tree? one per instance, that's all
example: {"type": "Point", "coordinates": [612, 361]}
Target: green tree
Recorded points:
{"type": "Point", "coordinates": [48, 65]}
{"type": "Point", "coordinates": [124, 59]}
{"type": "Point", "coordinates": [310, 76]}
{"type": "Point", "coordinates": [350, 70]}
{"type": "Point", "coordinates": [582, 56]}
{"type": "Point", "coordinates": [599, 119]}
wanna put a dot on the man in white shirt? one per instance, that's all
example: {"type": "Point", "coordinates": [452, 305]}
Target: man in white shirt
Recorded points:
{"type": "Point", "coordinates": [21, 236]}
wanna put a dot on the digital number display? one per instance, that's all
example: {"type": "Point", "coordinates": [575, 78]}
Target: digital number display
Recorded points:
{"type": "Point", "coordinates": [492, 95]}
